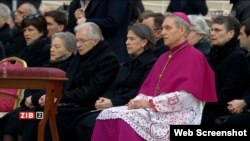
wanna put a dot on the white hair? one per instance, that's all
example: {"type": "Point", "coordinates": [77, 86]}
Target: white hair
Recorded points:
{"type": "Point", "coordinates": [200, 26]}
{"type": "Point", "coordinates": [94, 30]}
{"type": "Point", "coordinates": [4, 12]}
{"type": "Point", "coordinates": [31, 8]}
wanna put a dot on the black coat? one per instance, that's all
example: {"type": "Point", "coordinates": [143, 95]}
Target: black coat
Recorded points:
{"type": "Point", "coordinates": [2, 51]}
{"type": "Point", "coordinates": [204, 47]}
{"type": "Point", "coordinates": [5, 33]}
{"type": "Point", "coordinates": [11, 124]}
{"type": "Point", "coordinates": [241, 118]}
{"type": "Point", "coordinates": [130, 78]}
{"type": "Point", "coordinates": [36, 94]}
{"type": "Point", "coordinates": [125, 87]}
{"type": "Point", "coordinates": [137, 8]}
{"type": "Point", "coordinates": [246, 95]}
{"type": "Point", "coordinates": [90, 75]}
{"type": "Point", "coordinates": [241, 9]}
{"type": "Point", "coordinates": [231, 73]}
{"type": "Point", "coordinates": [16, 44]}
{"type": "Point", "coordinates": [38, 53]}
{"type": "Point", "coordinates": [111, 16]}
{"type": "Point", "coordinates": [194, 7]}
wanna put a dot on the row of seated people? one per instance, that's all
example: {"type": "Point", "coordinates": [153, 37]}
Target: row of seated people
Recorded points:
{"type": "Point", "coordinates": [27, 102]}
{"type": "Point", "coordinates": [91, 71]}
{"type": "Point", "coordinates": [113, 21]}
{"type": "Point", "coordinates": [225, 49]}
{"type": "Point", "coordinates": [13, 41]}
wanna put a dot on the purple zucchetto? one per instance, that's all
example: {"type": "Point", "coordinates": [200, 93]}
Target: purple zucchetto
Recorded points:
{"type": "Point", "coordinates": [182, 16]}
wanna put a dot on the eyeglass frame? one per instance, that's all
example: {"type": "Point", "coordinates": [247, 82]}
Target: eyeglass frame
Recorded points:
{"type": "Point", "coordinates": [84, 41]}
{"type": "Point", "coordinates": [31, 17]}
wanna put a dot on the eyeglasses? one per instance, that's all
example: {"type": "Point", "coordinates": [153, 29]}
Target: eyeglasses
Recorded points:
{"type": "Point", "coordinates": [31, 17]}
{"type": "Point", "coordinates": [34, 17]}
{"type": "Point", "coordinates": [82, 41]}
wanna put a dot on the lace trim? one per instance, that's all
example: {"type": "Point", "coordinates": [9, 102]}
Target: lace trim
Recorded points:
{"type": "Point", "coordinates": [149, 125]}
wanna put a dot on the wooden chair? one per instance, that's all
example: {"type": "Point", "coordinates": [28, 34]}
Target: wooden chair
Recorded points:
{"type": "Point", "coordinates": [50, 79]}
{"type": "Point", "coordinates": [10, 98]}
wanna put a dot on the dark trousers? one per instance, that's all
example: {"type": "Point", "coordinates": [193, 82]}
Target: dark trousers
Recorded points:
{"type": "Point", "coordinates": [84, 126]}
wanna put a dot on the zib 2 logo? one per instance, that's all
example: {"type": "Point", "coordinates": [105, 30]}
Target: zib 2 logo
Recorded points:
{"type": "Point", "coordinates": [30, 115]}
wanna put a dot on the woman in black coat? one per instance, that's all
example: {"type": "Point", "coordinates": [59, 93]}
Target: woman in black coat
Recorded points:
{"type": "Point", "coordinates": [61, 53]}
{"type": "Point", "coordinates": [36, 53]}
{"type": "Point", "coordinates": [140, 44]}
{"type": "Point", "coordinates": [199, 35]}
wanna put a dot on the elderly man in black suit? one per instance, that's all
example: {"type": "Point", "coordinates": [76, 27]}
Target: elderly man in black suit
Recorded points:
{"type": "Point", "coordinates": [90, 73]}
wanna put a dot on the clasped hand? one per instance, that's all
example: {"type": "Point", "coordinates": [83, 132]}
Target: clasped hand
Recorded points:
{"type": "Point", "coordinates": [103, 103]}
{"type": "Point", "coordinates": [137, 104]}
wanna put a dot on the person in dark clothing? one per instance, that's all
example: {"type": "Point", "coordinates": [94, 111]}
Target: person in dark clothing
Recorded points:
{"type": "Point", "coordinates": [5, 31]}
{"type": "Point", "coordinates": [154, 21]}
{"type": "Point", "coordinates": [111, 16]}
{"type": "Point", "coordinates": [188, 7]}
{"type": "Point", "coordinates": [35, 54]}
{"type": "Point", "coordinates": [240, 9]}
{"type": "Point", "coordinates": [239, 108]}
{"type": "Point", "coordinates": [140, 44]}
{"type": "Point", "coordinates": [2, 51]}
{"type": "Point", "coordinates": [230, 66]}
{"type": "Point", "coordinates": [137, 9]}
{"type": "Point", "coordinates": [61, 53]}
{"type": "Point", "coordinates": [199, 35]}
{"type": "Point", "coordinates": [17, 42]}
{"type": "Point", "coordinates": [56, 21]}
{"type": "Point", "coordinates": [90, 74]}
{"type": "Point", "coordinates": [36, 51]}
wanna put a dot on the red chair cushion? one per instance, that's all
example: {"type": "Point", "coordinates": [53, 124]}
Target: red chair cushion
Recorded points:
{"type": "Point", "coordinates": [42, 72]}
{"type": "Point", "coordinates": [7, 104]}
{"type": "Point", "coordinates": [32, 72]}
{"type": "Point", "coordinates": [12, 92]}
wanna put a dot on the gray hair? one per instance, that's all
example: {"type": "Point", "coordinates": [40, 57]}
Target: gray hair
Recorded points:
{"type": "Point", "coordinates": [179, 21]}
{"type": "Point", "coordinates": [94, 30]}
{"type": "Point", "coordinates": [200, 26]}
{"type": "Point", "coordinates": [4, 12]}
{"type": "Point", "coordinates": [32, 9]}
{"type": "Point", "coordinates": [69, 40]}
{"type": "Point", "coordinates": [144, 32]}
